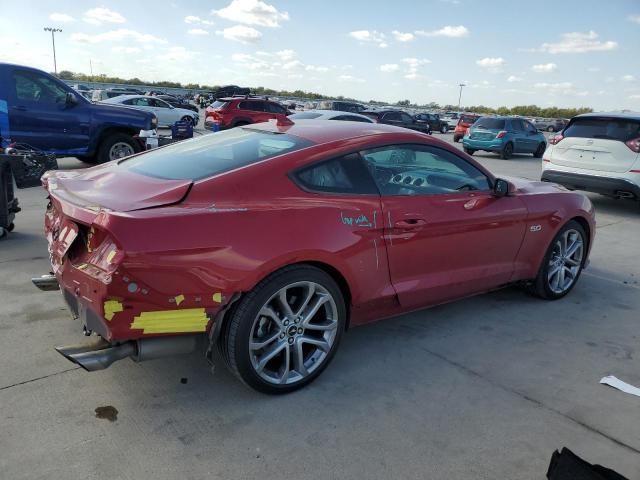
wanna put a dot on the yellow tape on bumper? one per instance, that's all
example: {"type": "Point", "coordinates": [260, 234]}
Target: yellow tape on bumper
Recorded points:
{"type": "Point", "coordinates": [111, 307]}
{"type": "Point", "coordinates": [172, 321]}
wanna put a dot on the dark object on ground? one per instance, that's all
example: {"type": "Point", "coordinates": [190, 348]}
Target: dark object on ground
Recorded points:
{"type": "Point", "coordinates": [108, 412]}
{"type": "Point", "coordinates": [184, 380]}
{"type": "Point", "coordinates": [29, 166]}
{"type": "Point", "coordinates": [8, 203]}
{"type": "Point", "coordinates": [566, 465]}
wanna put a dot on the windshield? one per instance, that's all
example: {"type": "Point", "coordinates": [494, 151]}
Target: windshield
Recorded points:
{"type": "Point", "coordinates": [305, 115]}
{"type": "Point", "coordinates": [213, 154]}
{"type": "Point", "coordinates": [606, 128]}
{"type": "Point", "coordinates": [219, 104]}
{"type": "Point", "coordinates": [490, 123]}
{"type": "Point", "coordinates": [468, 118]}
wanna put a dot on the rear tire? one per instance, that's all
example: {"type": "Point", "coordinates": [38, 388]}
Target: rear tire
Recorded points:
{"type": "Point", "coordinates": [507, 151]}
{"type": "Point", "coordinates": [566, 256]}
{"type": "Point", "coordinates": [116, 146]}
{"type": "Point", "coordinates": [444, 129]}
{"type": "Point", "coordinates": [277, 346]}
{"type": "Point", "coordinates": [550, 129]}
{"type": "Point", "coordinates": [469, 151]}
{"type": "Point", "coordinates": [240, 124]}
{"type": "Point", "coordinates": [456, 138]}
{"type": "Point", "coordinates": [540, 150]}
{"type": "Point", "coordinates": [187, 119]}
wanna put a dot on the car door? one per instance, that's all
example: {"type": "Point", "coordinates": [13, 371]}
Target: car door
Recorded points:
{"type": "Point", "coordinates": [518, 135]}
{"type": "Point", "coordinates": [40, 116]}
{"type": "Point", "coordinates": [392, 118]}
{"type": "Point", "coordinates": [533, 137]}
{"type": "Point", "coordinates": [166, 113]}
{"type": "Point", "coordinates": [446, 235]}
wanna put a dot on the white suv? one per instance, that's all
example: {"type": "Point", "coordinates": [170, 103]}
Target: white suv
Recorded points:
{"type": "Point", "coordinates": [597, 152]}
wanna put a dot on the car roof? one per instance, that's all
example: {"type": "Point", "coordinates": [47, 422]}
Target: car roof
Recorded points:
{"type": "Point", "coordinates": [242, 98]}
{"type": "Point", "coordinates": [321, 131]}
{"type": "Point", "coordinates": [622, 115]}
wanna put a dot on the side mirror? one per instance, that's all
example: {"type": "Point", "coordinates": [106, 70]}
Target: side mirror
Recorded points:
{"type": "Point", "coordinates": [70, 100]}
{"type": "Point", "coordinates": [500, 188]}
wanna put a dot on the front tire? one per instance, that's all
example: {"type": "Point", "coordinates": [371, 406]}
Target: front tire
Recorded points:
{"type": "Point", "coordinates": [507, 151]}
{"type": "Point", "coordinates": [469, 151]}
{"type": "Point", "coordinates": [188, 120]}
{"type": "Point", "coordinates": [116, 146]}
{"type": "Point", "coordinates": [540, 150]}
{"type": "Point", "coordinates": [284, 333]}
{"type": "Point", "coordinates": [550, 129]}
{"type": "Point", "coordinates": [562, 264]}
{"type": "Point", "coordinates": [444, 129]}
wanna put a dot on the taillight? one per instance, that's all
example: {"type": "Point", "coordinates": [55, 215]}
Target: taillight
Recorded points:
{"type": "Point", "coordinates": [556, 139]}
{"type": "Point", "coordinates": [106, 256]}
{"type": "Point", "coordinates": [633, 144]}
{"type": "Point", "coordinates": [501, 134]}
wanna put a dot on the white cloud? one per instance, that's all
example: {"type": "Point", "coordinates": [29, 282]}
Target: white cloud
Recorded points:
{"type": "Point", "coordinates": [634, 19]}
{"type": "Point", "coordinates": [578, 42]}
{"type": "Point", "coordinates": [561, 88]}
{"type": "Point", "coordinates": [372, 36]}
{"type": "Point", "coordinates": [197, 31]}
{"type": "Point", "coordinates": [635, 96]}
{"type": "Point", "coordinates": [513, 78]}
{"type": "Point", "coordinates": [413, 64]}
{"type": "Point", "coordinates": [240, 33]}
{"type": "Point", "coordinates": [178, 53]}
{"type": "Point", "coordinates": [100, 15]}
{"type": "Point", "coordinates": [293, 64]}
{"type": "Point", "coordinates": [628, 78]}
{"type": "Point", "coordinates": [389, 67]}
{"type": "Point", "coordinates": [252, 12]}
{"type": "Point", "coordinates": [191, 19]}
{"type": "Point", "coordinates": [61, 17]}
{"type": "Point", "coordinates": [350, 78]}
{"type": "Point", "coordinates": [403, 36]}
{"type": "Point", "coordinates": [559, 85]}
{"type": "Point", "coordinates": [544, 67]}
{"type": "Point", "coordinates": [119, 35]}
{"type": "Point", "coordinates": [315, 68]}
{"type": "Point", "coordinates": [121, 49]}
{"type": "Point", "coordinates": [295, 75]}
{"type": "Point", "coordinates": [458, 31]}
{"type": "Point", "coordinates": [593, 69]}
{"type": "Point", "coordinates": [490, 62]}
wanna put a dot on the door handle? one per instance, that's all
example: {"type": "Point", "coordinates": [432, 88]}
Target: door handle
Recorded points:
{"type": "Point", "coordinates": [410, 223]}
{"type": "Point", "coordinates": [21, 108]}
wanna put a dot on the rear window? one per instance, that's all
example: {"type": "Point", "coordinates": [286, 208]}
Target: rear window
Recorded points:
{"type": "Point", "coordinates": [213, 154]}
{"type": "Point", "coordinates": [468, 119]}
{"type": "Point", "coordinates": [218, 104]}
{"type": "Point", "coordinates": [305, 115]}
{"type": "Point", "coordinates": [605, 128]}
{"type": "Point", "coordinates": [490, 123]}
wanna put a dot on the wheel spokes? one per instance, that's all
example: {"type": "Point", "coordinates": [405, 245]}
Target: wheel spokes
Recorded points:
{"type": "Point", "coordinates": [321, 343]}
{"type": "Point", "coordinates": [257, 345]}
{"type": "Point", "coordinates": [283, 301]}
{"type": "Point", "coordinates": [298, 358]}
{"type": "Point", "coordinates": [270, 354]}
{"type": "Point", "coordinates": [271, 315]}
{"type": "Point", "coordinates": [308, 316]}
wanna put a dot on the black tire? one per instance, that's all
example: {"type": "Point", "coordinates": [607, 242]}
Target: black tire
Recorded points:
{"type": "Point", "coordinates": [444, 129]}
{"type": "Point", "coordinates": [550, 129]}
{"type": "Point", "coordinates": [507, 151]}
{"type": "Point", "coordinates": [240, 123]}
{"type": "Point", "coordinates": [187, 119]}
{"type": "Point", "coordinates": [104, 151]}
{"type": "Point", "coordinates": [540, 150]}
{"type": "Point", "coordinates": [469, 151]}
{"type": "Point", "coordinates": [540, 286]}
{"type": "Point", "coordinates": [6, 188]}
{"type": "Point", "coordinates": [456, 138]}
{"type": "Point", "coordinates": [233, 343]}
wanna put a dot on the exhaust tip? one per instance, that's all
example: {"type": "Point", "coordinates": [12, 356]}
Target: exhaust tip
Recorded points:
{"type": "Point", "coordinates": [46, 283]}
{"type": "Point", "coordinates": [98, 356]}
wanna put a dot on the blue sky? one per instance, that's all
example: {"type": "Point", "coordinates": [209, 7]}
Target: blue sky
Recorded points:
{"type": "Point", "coordinates": [547, 52]}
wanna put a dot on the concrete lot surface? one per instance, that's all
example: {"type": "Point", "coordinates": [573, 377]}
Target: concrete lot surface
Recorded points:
{"type": "Point", "coordinates": [486, 388]}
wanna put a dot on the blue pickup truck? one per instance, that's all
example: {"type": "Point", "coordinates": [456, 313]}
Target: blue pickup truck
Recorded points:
{"type": "Point", "coordinates": [48, 115]}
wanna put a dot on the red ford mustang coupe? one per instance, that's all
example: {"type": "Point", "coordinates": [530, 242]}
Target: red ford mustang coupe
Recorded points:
{"type": "Point", "coordinates": [268, 241]}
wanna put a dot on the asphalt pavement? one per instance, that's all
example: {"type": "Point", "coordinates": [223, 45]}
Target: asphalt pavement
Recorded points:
{"type": "Point", "coordinates": [485, 388]}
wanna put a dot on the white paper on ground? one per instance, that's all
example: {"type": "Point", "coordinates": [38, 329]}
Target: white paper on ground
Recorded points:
{"type": "Point", "coordinates": [620, 385]}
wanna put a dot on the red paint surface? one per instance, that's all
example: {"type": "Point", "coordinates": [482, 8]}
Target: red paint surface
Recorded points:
{"type": "Point", "coordinates": [462, 244]}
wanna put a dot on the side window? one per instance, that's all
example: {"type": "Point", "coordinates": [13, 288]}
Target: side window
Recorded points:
{"type": "Point", "coordinates": [254, 106]}
{"type": "Point", "coordinates": [128, 102]}
{"type": "Point", "coordinates": [391, 117]}
{"type": "Point", "coordinates": [422, 170]}
{"type": "Point", "coordinates": [36, 88]}
{"type": "Point", "coordinates": [141, 102]}
{"type": "Point", "coordinates": [406, 118]}
{"type": "Point", "coordinates": [274, 108]}
{"type": "Point", "coordinates": [351, 118]}
{"type": "Point", "coordinates": [529, 127]}
{"type": "Point", "coordinates": [159, 103]}
{"type": "Point", "coordinates": [516, 125]}
{"type": "Point", "coordinates": [339, 175]}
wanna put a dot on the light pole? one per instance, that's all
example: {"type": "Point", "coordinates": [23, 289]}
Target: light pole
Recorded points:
{"type": "Point", "coordinates": [53, 42]}
{"type": "Point", "coordinates": [460, 95]}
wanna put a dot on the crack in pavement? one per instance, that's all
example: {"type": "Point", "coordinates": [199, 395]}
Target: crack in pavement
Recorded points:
{"type": "Point", "coordinates": [39, 378]}
{"type": "Point", "coordinates": [529, 399]}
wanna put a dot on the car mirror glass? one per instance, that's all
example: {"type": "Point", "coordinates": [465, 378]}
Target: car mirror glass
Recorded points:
{"type": "Point", "coordinates": [500, 187]}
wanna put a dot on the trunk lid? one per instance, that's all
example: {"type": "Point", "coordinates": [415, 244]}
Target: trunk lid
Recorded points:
{"type": "Point", "coordinates": [116, 188]}
{"type": "Point", "coordinates": [597, 143]}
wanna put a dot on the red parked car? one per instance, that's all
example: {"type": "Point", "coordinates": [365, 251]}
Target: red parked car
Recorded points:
{"type": "Point", "coordinates": [464, 122]}
{"type": "Point", "coordinates": [237, 111]}
{"type": "Point", "coordinates": [270, 241]}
